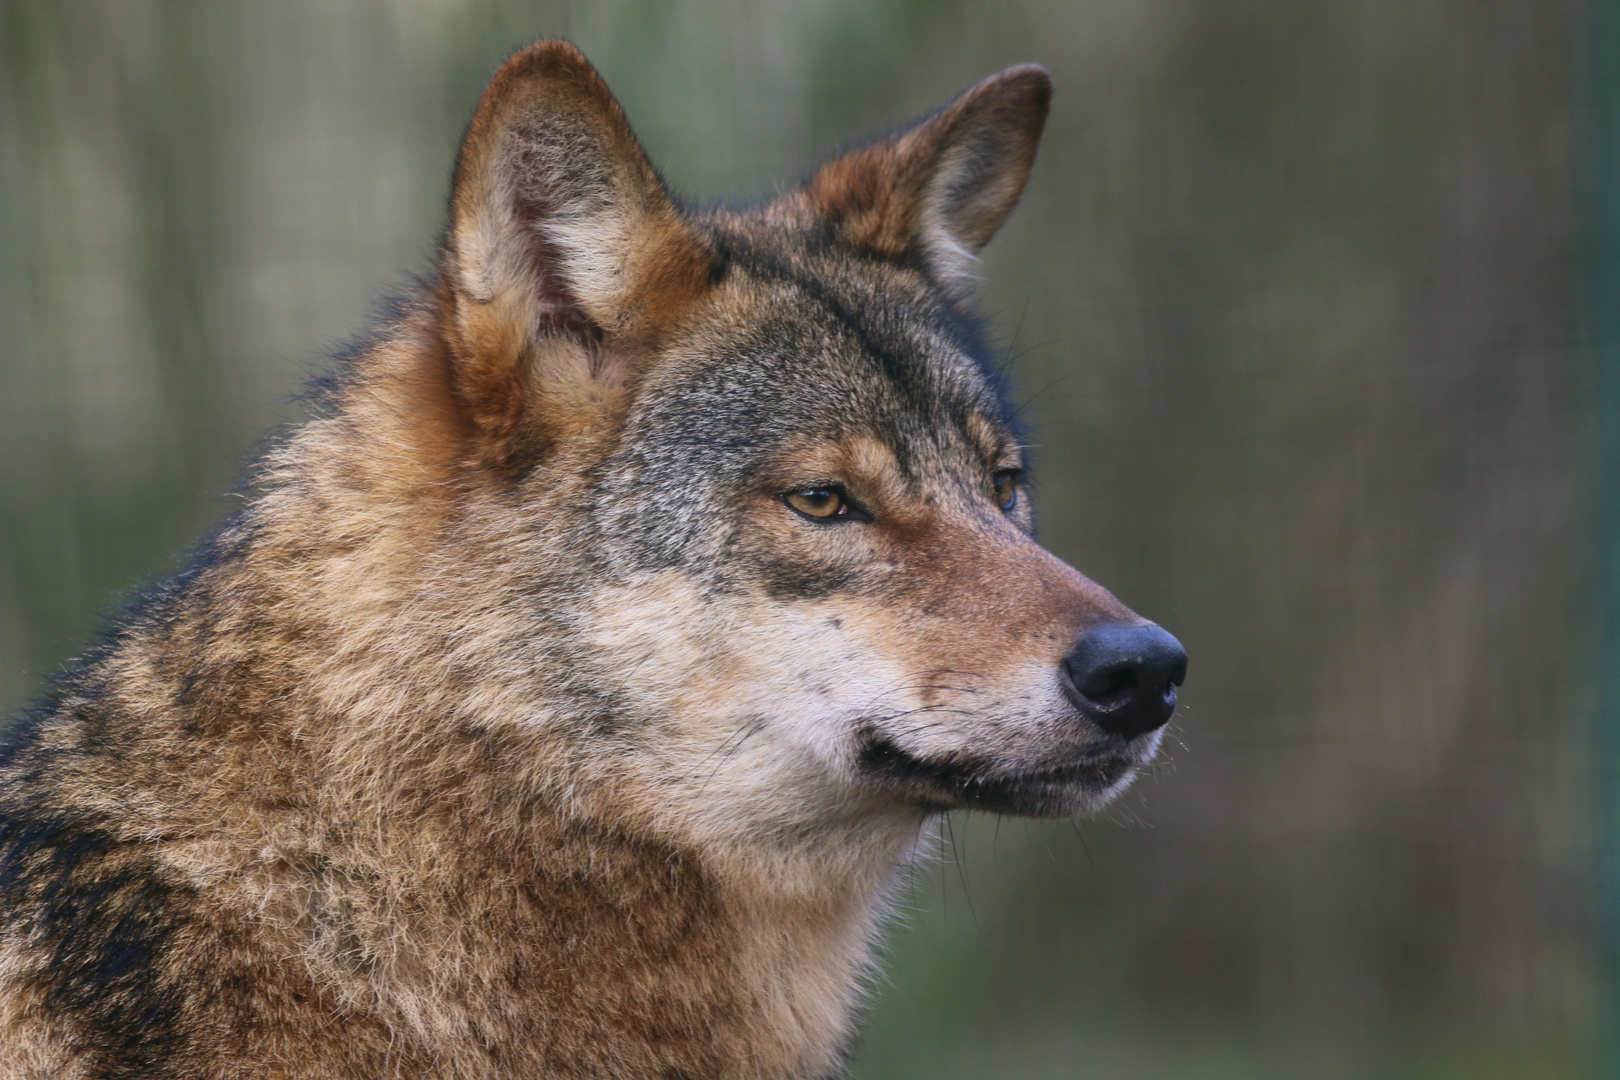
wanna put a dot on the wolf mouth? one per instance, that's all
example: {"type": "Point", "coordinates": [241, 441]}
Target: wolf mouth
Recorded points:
{"type": "Point", "coordinates": [975, 783]}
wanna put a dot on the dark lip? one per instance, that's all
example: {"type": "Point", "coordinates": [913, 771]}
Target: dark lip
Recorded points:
{"type": "Point", "coordinates": [948, 784]}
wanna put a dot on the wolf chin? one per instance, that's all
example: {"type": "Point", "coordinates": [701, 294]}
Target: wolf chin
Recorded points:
{"type": "Point", "coordinates": [571, 691]}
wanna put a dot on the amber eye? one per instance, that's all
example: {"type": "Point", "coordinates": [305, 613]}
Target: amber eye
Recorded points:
{"type": "Point", "coordinates": [824, 504]}
{"type": "Point", "coordinates": [816, 502]}
{"type": "Point", "coordinates": [1006, 482]}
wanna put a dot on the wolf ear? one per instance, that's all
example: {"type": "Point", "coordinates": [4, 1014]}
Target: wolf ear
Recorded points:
{"type": "Point", "coordinates": [565, 256]}
{"type": "Point", "coordinates": [942, 188]}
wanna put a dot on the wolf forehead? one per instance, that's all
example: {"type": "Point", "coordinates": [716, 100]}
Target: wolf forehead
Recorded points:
{"type": "Point", "coordinates": [794, 352]}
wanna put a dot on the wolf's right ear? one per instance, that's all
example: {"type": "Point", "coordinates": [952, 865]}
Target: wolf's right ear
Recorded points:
{"type": "Point", "coordinates": [564, 257]}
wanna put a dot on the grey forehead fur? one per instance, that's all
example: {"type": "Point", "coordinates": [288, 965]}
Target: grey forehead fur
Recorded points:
{"type": "Point", "coordinates": [882, 353]}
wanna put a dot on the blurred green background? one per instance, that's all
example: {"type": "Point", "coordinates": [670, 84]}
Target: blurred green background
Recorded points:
{"type": "Point", "coordinates": [1294, 304]}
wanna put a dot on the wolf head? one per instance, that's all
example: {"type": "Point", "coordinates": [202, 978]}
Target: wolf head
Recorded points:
{"type": "Point", "coordinates": [757, 502]}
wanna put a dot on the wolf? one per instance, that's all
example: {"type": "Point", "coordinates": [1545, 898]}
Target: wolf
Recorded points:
{"type": "Point", "coordinates": [574, 686]}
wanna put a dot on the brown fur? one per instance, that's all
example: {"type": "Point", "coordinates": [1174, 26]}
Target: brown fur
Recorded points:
{"type": "Point", "coordinates": [518, 727]}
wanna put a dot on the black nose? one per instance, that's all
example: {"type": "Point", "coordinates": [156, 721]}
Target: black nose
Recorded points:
{"type": "Point", "coordinates": [1124, 678]}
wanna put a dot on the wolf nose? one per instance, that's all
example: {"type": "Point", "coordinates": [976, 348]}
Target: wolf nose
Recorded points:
{"type": "Point", "coordinates": [1124, 678]}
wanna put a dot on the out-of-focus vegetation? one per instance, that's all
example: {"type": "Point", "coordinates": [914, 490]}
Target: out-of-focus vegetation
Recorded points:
{"type": "Point", "coordinates": [1292, 301]}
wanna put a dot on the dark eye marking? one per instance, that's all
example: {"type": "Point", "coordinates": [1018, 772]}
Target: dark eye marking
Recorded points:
{"type": "Point", "coordinates": [824, 504]}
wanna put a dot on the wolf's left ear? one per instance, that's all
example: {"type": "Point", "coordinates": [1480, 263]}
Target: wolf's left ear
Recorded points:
{"type": "Point", "coordinates": [942, 188]}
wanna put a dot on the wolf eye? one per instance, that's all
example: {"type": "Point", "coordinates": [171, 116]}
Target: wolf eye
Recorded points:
{"type": "Point", "coordinates": [824, 504]}
{"type": "Point", "coordinates": [1006, 483]}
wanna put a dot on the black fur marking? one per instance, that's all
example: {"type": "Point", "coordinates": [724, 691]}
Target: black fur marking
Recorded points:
{"type": "Point", "coordinates": [719, 266]}
{"type": "Point", "coordinates": [786, 580]}
{"type": "Point", "coordinates": [104, 929]}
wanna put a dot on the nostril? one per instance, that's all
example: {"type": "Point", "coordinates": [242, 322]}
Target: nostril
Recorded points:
{"type": "Point", "coordinates": [1111, 685]}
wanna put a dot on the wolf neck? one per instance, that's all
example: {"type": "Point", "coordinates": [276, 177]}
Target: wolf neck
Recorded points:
{"type": "Point", "coordinates": [758, 957]}
{"type": "Point", "coordinates": [739, 962]}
